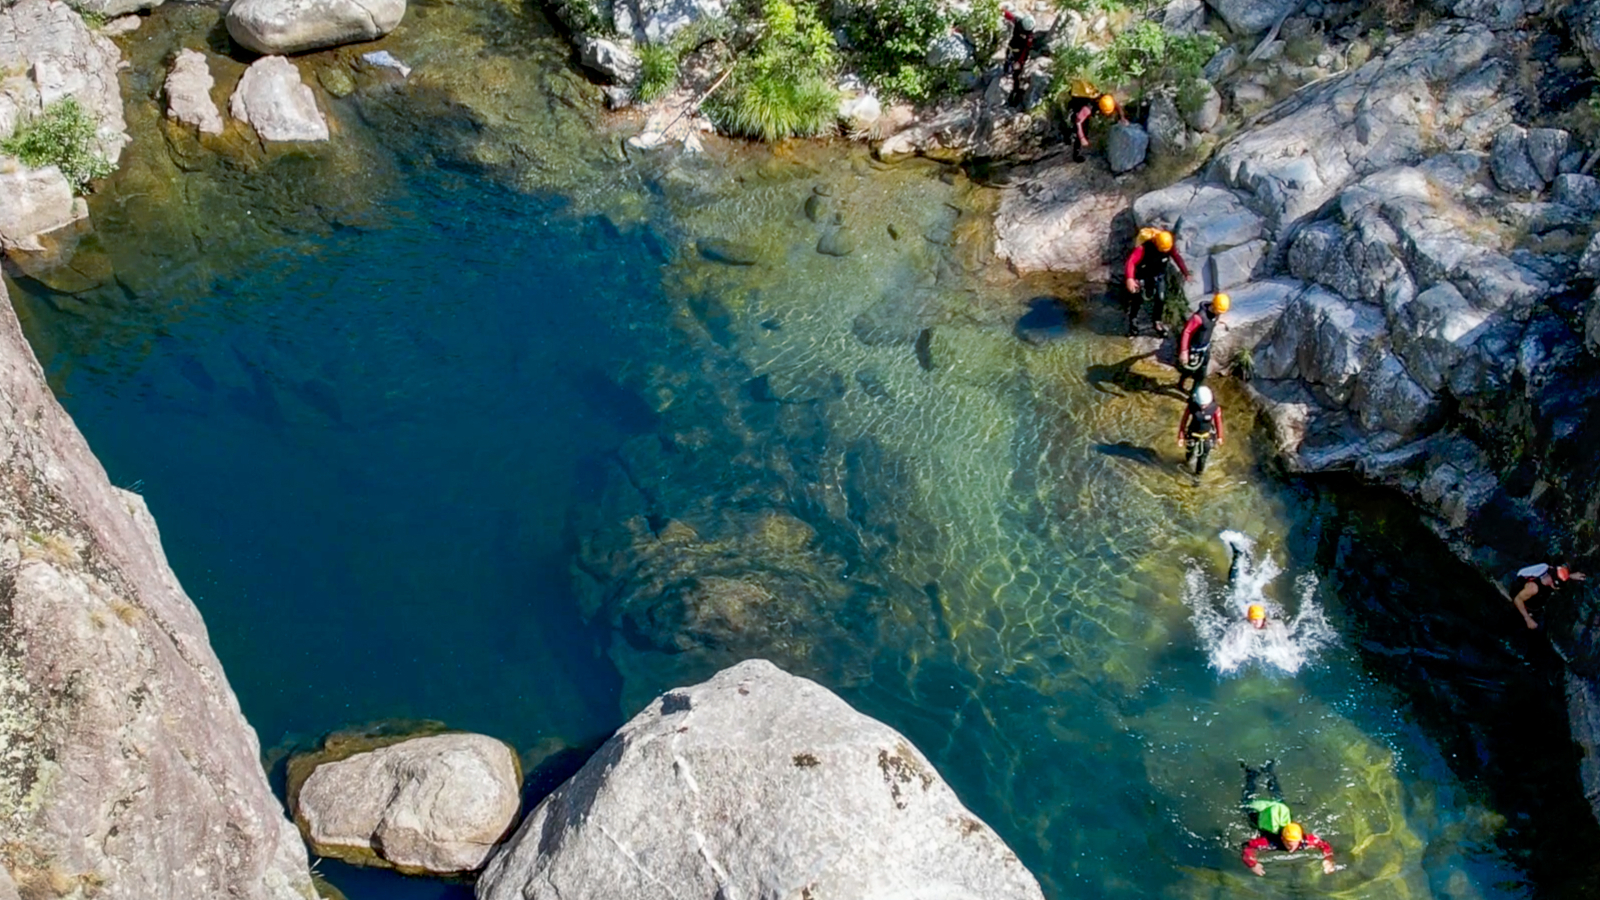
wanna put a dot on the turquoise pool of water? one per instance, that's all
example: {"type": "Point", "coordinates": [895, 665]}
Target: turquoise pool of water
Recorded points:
{"type": "Point", "coordinates": [381, 456]}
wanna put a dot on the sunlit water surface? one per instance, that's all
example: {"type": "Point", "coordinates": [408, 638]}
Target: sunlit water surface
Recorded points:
{"type": "Point", "coordinates": [372, 451]}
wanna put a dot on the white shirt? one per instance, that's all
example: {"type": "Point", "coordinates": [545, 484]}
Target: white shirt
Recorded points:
{"type": "Point", "coordinates": [1534, 571]}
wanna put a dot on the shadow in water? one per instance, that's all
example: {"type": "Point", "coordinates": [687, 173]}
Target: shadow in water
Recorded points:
{"type": "Point", "coordinates": [1131, 451]}
{"type": "Point", "coordinates": [1119, 378]}
{"type": "Point", "coordinates": [1047, 319]}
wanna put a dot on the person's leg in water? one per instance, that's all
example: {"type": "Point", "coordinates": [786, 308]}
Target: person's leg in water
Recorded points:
{"type": "Point", "coordinates": [1251, 788]}
{"type": "Point", "coordinates": [1241, 558]}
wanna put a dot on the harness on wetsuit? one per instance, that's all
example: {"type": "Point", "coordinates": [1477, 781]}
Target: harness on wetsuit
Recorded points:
{"type": "Point", "coordinates": [1202, 420]}
{"type": "Point", "coordinates": [1200, 340]}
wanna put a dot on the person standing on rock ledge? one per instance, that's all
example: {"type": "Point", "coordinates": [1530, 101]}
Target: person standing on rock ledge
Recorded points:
{"type": "Point", "coordinates": [1145, 276]}
{"type": "Point", "coordinates": [1194, 346]}
{"type": "Point", "coordinates": [1531, 579]}
{"type": "Point", "coordinates": [1018, 49]}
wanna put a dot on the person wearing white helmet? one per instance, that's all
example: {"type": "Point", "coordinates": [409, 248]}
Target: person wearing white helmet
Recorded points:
{"type": "Point", "coordinates": [1018, 48]}
{"type": "Point", "coordinates": [1201, 421]}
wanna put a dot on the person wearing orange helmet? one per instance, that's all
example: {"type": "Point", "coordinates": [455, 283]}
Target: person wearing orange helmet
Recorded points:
{"type": "Point", "coordinates": [1085, 101]}
{"type": "Point", "coordinates": [1541, 575]}
{"type": "Point", "coordinates": [1256, 615]}
{"type": "Point", "coordinates": [1144, 276]}
{"type": "Point", "coordinates": [1194, 345]}
{"type": "Point", "coordinates": [1271, 816]}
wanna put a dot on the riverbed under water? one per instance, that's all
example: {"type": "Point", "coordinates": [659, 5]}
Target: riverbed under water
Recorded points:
{"type": "Point", "coordinates": [381, 452]}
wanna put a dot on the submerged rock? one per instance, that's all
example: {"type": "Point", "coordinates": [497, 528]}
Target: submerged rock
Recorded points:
{"type": "Point", "coordinates": [728, 252]}
{"type": "Point", "coordinates": [294, 26]}
{"type": "Point", "coordinates": [755, 784]}
{"type": "Point", "coordinates": [188, 89]}
{"type": "Point", "coordinates": [272, 100]}
{"type": "Point", "coordinates": [437, 804]}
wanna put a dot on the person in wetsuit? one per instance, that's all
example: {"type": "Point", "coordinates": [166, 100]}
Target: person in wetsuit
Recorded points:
{"type": "Point", "coordinates": [1271, 817]}
{"type": "Point", "coordinates": [1085, 100]}
{"type": "Point", "coordinates": [1531, 579]}
{"type": "Point", "coordinates": [1018, 49]}
{"type": "Point", "coordinates": [1145, 276]}
{"type": "Point", "coordinates": [1194, 345]}
{"type": "Point", "coordinates": [1202, 417]}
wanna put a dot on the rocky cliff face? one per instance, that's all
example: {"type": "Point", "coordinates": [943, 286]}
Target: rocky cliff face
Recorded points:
{"type": "Point", "coordinates": [126, 768]}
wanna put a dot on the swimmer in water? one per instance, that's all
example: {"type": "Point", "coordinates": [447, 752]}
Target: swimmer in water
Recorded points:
{"type": "Point", "coordinates": [1256, 615]}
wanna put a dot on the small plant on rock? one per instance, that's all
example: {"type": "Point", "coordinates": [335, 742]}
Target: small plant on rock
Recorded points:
{"type": "Point", "coordinates": [61, 136]}
{"type": "Point", "coordinates": [658, 70]}
{"type": "Point", "coordinates": [783, 86]}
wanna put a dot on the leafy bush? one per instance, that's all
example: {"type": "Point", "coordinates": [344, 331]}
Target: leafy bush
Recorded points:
{"type": "Point", "coordinates": [658, 70]}
{"type": "Point", "coordinates": [984, 28]}
{"type": "Point", "coordinates": [1141, 58]}
{"type": "Point", "coordinates": [892, 37]}
{"type": "Point", "coordinates": [783, 87]}
{"type": "Point", "coordinates": [62, 136]}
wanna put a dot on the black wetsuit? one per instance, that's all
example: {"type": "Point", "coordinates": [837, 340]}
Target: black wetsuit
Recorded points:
{"type": "Point", "coordinates": [1197, 337]}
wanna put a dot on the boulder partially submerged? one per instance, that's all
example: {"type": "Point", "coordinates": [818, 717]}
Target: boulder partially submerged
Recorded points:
{"type": "Point", "coordinates": [756, 783]}
{"type": "Point", "coordinates": [273, 100]}
{"type": "Point", "coordinates": [437, 804]}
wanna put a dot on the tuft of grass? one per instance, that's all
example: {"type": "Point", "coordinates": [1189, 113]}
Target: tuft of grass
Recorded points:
{"type": "Point", "coordinates": [784, 86]}
{"type": "Point", "coordinates": [93, 20]}
{"type": "Point", "coordinates": [62, 136]}
{"type": "Point", "coordinates": [658, 71]}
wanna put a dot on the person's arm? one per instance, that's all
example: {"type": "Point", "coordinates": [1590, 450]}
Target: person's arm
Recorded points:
{"type": "Point", "coordinates": [1083, 113]}
{"type": "Point", "coordinates": [1216, 420]}
{"type": "Point", "coordinates": [1132, 264]}
{"type": "Point", "coordinates": [1327, 851]}
{"type": "Point", "coordinates": [1249, 854]}
{"type": "Point", "coordinates": [1182, 266]}
{"type": "Point", "coordinates": [1189, 329]}
{"type": "Point", "coordinates": [1521, 601]}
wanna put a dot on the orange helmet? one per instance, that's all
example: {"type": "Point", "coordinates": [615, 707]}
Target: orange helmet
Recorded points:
{"type": "Point", "coordinates": [1292, 832]}
{"type": "Point", "coordinates": [1108, 104]}
{"type": "Point", "coordinates": [1163, 241]}
{"type": "Point", "coordinates": [1221, 303]}
{"type": "Point", "coordinates": [1256, 613]}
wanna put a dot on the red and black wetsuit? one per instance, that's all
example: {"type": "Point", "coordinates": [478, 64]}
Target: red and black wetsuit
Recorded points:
{"type": "Point", "coordinates": [1194, 346]}
{"type": "Point", "coordinates": [1201, 421]}
{"type": "Point", "coordinates": [1147, 265]}
{"type": "Point", "coordinates": [1020, 47]}
{"type": "Point", "coordinates": [1271, 842]}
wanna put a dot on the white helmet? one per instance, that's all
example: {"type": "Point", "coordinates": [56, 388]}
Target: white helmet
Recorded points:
{"type": "Point", "coordinates": [1202, 396]}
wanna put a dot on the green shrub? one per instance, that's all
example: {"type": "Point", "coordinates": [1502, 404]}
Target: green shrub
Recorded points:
{"type": "Point", "coordinates": [1140, 59]}
{"type": "Point", "coordinates": [62, 136]}
{"type": "Point", "coordinates": [783, 86]}
{"type": "Point", "coordinates": [891, 39]}
{"type": "Point", "coordinates": [658, 71]}
{"type": "Point", "coordinates": [984, 28]}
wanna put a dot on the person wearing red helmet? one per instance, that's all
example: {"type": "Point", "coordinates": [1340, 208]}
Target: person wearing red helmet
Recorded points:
{"type": "Point", "coordinates": [1540, 575]}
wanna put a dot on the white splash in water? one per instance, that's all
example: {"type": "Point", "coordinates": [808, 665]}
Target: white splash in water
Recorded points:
{"type": "Point", "coordinates": [1285, 644]}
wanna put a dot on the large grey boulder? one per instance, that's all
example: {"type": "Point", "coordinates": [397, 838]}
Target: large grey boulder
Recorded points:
{"type": "Point", "coordinates": [1059, 219]}
{"type": "Point", "coordinates": [754, 784]}
{"type": "Point", "coordinates": [33, 203]}
{"type": "Point", "coordinates": [1205, 115]}
{"type": "Point", "coordinates": [272, 99]}
{"type": "Point", "coordinates": [656, 21]}
{"type": "Point", "coordinates": [47, 54]}
{"type": "Point", "coordinates": [437, 804]}
{"type": "Point", "coordinates": [612, 61]}
{"type": "Point", "coordinates": [1323, 340]}
{"type": "Point", "coordinates": [128, 771]}
{"type": "Point", "coordinates": [949, 51]}
{"type": "Point", "coordinates": [188, 88]}
{"type": "Point", "coordinates": [1126, 147]}
{"type": "Point", "coordinates": [294, 26]}
{"type": "Point", "coordinates": [110, 9]}
{"type": "Point", "coordinates": [1546, 147]}
{"type": "Point", "coordinates": [1251, 16]}
{"type": "Point", "coordinates": [1391, 111]}
{"type": "Point", "coordinates": [1512, 166]}
{"type": "Point", "coordinates": [1581, 192]}
{"type": "Point", "coordinates": [1167, 131]}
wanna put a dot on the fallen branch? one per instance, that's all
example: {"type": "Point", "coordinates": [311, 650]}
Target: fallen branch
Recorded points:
{"type": "Point", "coordinates": [695, 106]}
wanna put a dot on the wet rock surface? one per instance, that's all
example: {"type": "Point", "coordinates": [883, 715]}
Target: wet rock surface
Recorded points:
{"type": "Point", "coordinates": [129, 771]}
{"type": "Point", "coordinates": [434, 805]}
{"type": "Point", "coordinates": [755, 782]}
{"type": "Point", "coordinates": [188, 90]}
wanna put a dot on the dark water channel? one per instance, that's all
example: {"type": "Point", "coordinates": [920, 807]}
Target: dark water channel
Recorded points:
{"type": "Point", "coordinates": [385, 457]}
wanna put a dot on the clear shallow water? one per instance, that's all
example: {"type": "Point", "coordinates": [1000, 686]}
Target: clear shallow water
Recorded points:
{"type": "Point", "coordinates": [377, 453]}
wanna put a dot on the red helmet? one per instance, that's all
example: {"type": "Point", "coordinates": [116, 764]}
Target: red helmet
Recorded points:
{"type": "Point", "coordinates": [1562, 573]}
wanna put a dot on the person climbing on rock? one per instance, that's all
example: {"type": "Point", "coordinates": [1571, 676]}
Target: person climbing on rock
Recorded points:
{"type": "Point", "coordinates": [1018, 49]}
{"type": "Point", "coordinates": [1541, 575]}
{"type": "Point", "coordinates": [1199, 428]}
{"type": "Point", "coordinates": [1194, 345]}
{"type": "Point", "coordinates": [1271, 816]}
{"type": "Point", "coordinates": [1085, 99]}
{"type": "Point", "coordinates": [1145, 276]}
